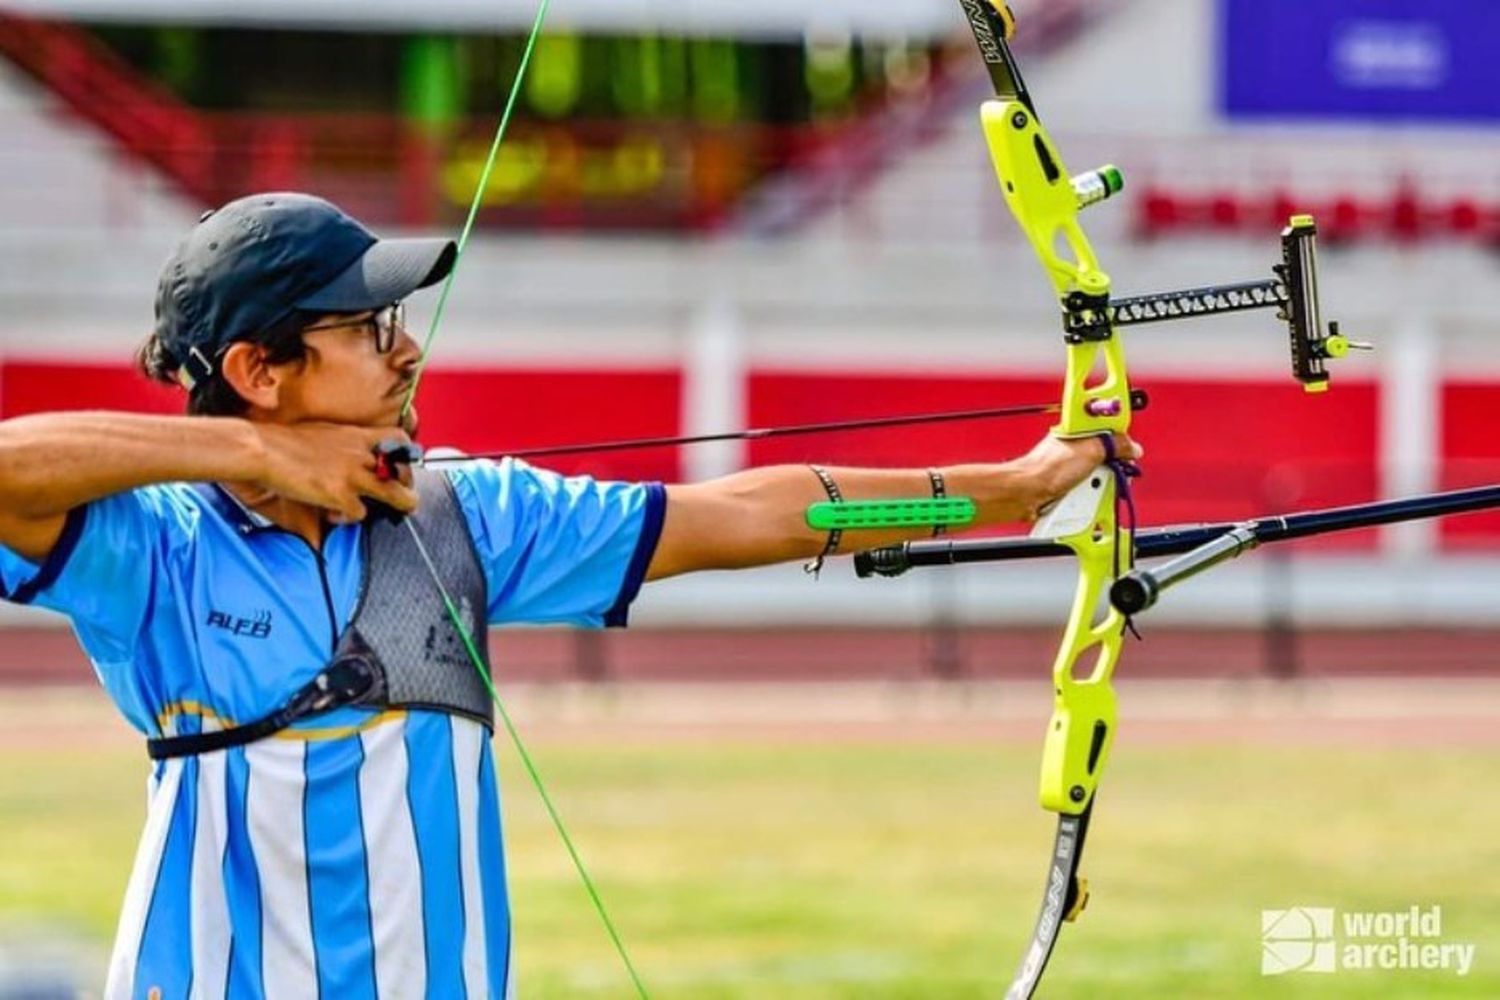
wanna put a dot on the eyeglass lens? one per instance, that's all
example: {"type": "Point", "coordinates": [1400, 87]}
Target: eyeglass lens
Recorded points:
{"type": "Point", "coordinates": [387, 322]}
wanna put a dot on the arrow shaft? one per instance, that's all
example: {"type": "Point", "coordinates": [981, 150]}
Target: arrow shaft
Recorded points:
{"type": "Point", "coordinates": [766, 433]}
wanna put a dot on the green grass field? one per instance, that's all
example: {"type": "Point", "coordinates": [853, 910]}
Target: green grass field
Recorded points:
{"type": "Point", "coordinates": [879, 868]}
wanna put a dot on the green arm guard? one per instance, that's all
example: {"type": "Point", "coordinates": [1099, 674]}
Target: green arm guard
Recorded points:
{"type": "Point", "coordinates": [870, 515]}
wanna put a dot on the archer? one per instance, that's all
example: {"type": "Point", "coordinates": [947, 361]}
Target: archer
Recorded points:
{"type": "Point", "coordinates": [324, 816]}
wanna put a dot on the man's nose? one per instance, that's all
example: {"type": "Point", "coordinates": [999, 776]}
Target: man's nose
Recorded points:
{"type": "Point", "coordinates": [408, 350]}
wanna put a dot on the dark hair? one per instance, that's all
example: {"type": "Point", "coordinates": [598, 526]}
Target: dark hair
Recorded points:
{"type": "Point", "coordinates": [213, 396]}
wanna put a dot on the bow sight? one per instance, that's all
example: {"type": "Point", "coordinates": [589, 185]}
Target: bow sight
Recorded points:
{"type": "Point", "coordinates": [1293, 292]}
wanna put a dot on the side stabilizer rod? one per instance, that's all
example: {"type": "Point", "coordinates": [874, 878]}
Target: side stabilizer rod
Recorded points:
{"type": "Point", "coordinates": [1140, 589]}
{"type": "Point", "coordinates": [896, 560]}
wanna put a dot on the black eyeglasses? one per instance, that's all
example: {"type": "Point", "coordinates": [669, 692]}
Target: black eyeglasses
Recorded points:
{"type": "Point", "coordinates": [383, 323]}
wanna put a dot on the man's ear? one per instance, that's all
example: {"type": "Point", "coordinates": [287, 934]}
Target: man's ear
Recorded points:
{"type": "Point", "coordinates": [244, 367]}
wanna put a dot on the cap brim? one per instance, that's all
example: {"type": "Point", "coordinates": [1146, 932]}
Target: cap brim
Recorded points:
{"type": "Point", "coordinates": [386, 273]}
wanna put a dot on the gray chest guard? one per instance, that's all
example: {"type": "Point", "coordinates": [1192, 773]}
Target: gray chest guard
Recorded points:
{"type": "Point", "coordinates": [401, 632]}
{"type": "Point", "coordinates": [401, 649]}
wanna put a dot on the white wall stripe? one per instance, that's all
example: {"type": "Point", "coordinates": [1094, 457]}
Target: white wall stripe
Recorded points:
{"type": "Point", "coordinates": [274, 817]}
{"type": "Point", "coordinates": [1411, 431]}
{"type": "Point", "coordinates": [210, 907]}
{"type": "Point", "coordinates": [121, 979]}
{"type": "Point", "coordinates": [467, 743]}
{"type": "Point", "coordinates": [391, 853]}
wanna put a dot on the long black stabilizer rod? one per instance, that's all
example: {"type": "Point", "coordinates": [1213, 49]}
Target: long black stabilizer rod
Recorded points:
{"type": "Point", "coordinates": [1208, 544]}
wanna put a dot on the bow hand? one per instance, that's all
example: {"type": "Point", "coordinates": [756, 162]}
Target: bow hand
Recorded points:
{"type": "Point", "coordinates": [1058, 467]}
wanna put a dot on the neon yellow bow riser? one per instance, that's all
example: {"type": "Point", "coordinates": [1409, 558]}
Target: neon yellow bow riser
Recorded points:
{"type": "Point", "coordinates": [1096, 400]}
{"type": "Point", "coordinates": [1082, 728]}
{"type": "Point", "coordinates": [1040, 193]}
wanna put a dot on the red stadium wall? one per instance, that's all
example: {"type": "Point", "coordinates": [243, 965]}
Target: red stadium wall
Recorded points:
{"type": "Point", "coordinates": [1471, 454]}
{"type": "Point", "coordinates": [1282, 449]}
{"type": "Point", "coordinates": [1279, 450]}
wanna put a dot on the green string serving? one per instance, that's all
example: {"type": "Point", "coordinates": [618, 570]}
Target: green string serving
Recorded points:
{"type": "Point", "coordinates": [474, 206]}
{"type": "Point", "coordinates": [530, 765]}
{"type": "Point", "coordinates": [527, 761]}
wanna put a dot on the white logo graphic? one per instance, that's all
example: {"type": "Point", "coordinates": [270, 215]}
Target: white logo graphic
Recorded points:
{"type": "Point", "coordinates": [1318, 939]}
{"type": "Point", "coordinates": [1391, 55]}
{"type": "Point", "coordinates": [1297, 940]}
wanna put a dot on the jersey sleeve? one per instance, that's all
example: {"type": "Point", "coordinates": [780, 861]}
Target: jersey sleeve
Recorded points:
{"type": "Point", "coordinates": [559, 549]}
{"type": "Point", "coordinates": [104, 571]}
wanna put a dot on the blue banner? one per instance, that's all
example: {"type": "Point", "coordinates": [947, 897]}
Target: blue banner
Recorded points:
{"type": "Point", "coordinates": [1414, 60]}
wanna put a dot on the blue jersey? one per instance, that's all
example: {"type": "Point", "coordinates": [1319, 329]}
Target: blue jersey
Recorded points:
{"type": "Point", "coordinates": [358, 854]}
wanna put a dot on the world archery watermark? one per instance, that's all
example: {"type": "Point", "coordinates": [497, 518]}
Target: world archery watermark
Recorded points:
{"type": "Point", "coordinates": [1322, 939]}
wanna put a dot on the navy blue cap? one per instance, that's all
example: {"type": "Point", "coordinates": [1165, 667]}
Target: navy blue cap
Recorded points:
{"type": "Point", "coordinates": [249, 265]}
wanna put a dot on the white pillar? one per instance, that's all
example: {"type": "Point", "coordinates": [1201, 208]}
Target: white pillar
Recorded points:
{"type": "Point", "coordinates": [713, 392]}
{"type": "Point", "coordinates": [1410, 430]}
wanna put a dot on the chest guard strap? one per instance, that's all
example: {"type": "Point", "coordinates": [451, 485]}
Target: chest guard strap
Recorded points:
{"type": "Point", "coordinates": [401, 649]}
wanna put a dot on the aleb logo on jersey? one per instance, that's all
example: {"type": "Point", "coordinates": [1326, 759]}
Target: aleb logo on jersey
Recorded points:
{"type": "Point", "coordinates": [257, 627]}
